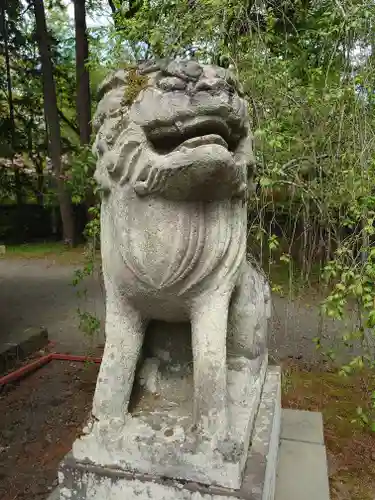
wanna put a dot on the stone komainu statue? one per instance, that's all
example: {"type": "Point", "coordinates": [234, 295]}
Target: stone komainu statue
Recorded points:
{"type": "Point", "coordinates": [174, 166]}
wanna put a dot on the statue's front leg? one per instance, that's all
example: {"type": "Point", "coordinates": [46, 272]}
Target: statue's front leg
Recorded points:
{"type": "Point", "coordinates": [209, 331]}
{"type": "Point", "coordinates": [124, 337]}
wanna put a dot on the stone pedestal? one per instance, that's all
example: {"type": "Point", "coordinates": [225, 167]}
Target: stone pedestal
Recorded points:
{"type": "Point", "coordinates": [255, 480]}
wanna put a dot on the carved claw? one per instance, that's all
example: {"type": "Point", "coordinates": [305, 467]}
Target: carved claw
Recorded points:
{"type": "Point", "coordinates": [141, 185]}
{"type": "Point", "coordinates": [150, 181]}
{"type": "Point", "coordinates": [141, 188]}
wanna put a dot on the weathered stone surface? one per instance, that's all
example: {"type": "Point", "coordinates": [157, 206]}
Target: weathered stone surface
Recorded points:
{"type": "Point", "coordinates": [175, 163]}
{"type": "Point", "coordinates": [89, 482]}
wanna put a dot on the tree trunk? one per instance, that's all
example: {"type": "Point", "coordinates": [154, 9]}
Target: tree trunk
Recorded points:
{"type": "Point", "coordinates": [83, 80]}
{"type": "Point", "coordinates": [53, 125]}
{"type": "Point", "coordinates": [83, 87]}
{"type": "Point", "coordinates": [39, 195]}
{"type": "Point", "coordinates": [4, 32]}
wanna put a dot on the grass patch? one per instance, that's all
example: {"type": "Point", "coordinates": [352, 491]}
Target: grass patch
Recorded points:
{"type": "Point", "coordinates": [55, 251]}
{"type": "Point", "coordinates": [350, 446]}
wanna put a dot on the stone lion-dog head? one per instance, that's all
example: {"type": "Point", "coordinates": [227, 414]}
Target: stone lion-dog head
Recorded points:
{"type": "Point", "coordinates": [175, 129]}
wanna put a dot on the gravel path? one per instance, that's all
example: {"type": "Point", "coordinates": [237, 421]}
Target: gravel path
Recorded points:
{"type": "Point", "coordinates": [40, 293]}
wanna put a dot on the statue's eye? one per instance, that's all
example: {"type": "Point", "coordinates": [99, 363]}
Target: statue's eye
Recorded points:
{"type": "Point", "coordinates": [171, 83]}
{"type": "Point", "coordinates": [215, 84]}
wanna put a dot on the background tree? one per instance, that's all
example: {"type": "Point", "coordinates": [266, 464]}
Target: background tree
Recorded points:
{"type": "Point", "coordinates": [53, 123]}
{"type": "Point", "coordinates": [30, 143]}
{"type": "Point", "coordinates": [82, 73]}
{"type": "Point", "coordinates": [12, 125]}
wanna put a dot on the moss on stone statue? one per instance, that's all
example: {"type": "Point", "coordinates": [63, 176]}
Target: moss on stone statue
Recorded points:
{"type": "Point", "coordinates": [135, 83]}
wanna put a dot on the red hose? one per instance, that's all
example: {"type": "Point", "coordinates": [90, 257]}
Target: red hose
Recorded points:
{"type": "Point", "coordinates": [34, 365]}
{"type": "Point", "coordinates": [25, 370]}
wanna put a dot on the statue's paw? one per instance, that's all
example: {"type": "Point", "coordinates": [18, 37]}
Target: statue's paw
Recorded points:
{"type": "Point", "coordinates": [109, 427]}
{"type": "Point", "coordinates": [150, 181]}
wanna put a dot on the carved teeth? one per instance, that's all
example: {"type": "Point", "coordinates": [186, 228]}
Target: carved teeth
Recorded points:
{"type": "Point", "coordinates": [192, 133]}
{"type": "Point", "coordinates": [204, 139]}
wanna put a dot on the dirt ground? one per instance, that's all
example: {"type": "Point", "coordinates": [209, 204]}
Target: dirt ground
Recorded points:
{"type": "Point", "coordinates": [40, 419]}
{"type": "Point", "coordinates": [39, 292]}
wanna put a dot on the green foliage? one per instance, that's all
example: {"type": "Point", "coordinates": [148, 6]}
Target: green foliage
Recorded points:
{"type": "Point", "coordinates": [83, 186]}
{"type": "Point", "coordinates": [88, 323]}
{"type": "Point", "coordinates": [80, 174]}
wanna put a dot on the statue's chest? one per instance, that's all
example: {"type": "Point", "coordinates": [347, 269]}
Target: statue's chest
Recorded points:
{"type": "Point", "coordinates": [168, 243]}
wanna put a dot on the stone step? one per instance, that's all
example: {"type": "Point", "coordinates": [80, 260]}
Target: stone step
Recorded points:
{"type": "Point", "coordinates": [302, 469]}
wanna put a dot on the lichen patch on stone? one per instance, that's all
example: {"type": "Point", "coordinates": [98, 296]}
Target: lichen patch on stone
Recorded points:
{"type": "Point", "coordinates": [135, 83]}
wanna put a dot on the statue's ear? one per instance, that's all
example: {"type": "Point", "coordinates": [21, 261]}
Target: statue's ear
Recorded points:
{"type": "Point", "coordinates": [113, 80]}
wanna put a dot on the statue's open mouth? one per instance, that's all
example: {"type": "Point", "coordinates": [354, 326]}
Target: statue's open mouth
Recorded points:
{"type": "Point", "coordinates": [195, 132]}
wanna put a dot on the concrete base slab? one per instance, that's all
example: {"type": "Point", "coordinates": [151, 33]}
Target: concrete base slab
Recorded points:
{"type": "Point", "coordinates": [25, 343]}
{"type": "Point", "coordinates": [79, 481]}
{"type": "Point", "coordinates": [302, 466]}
